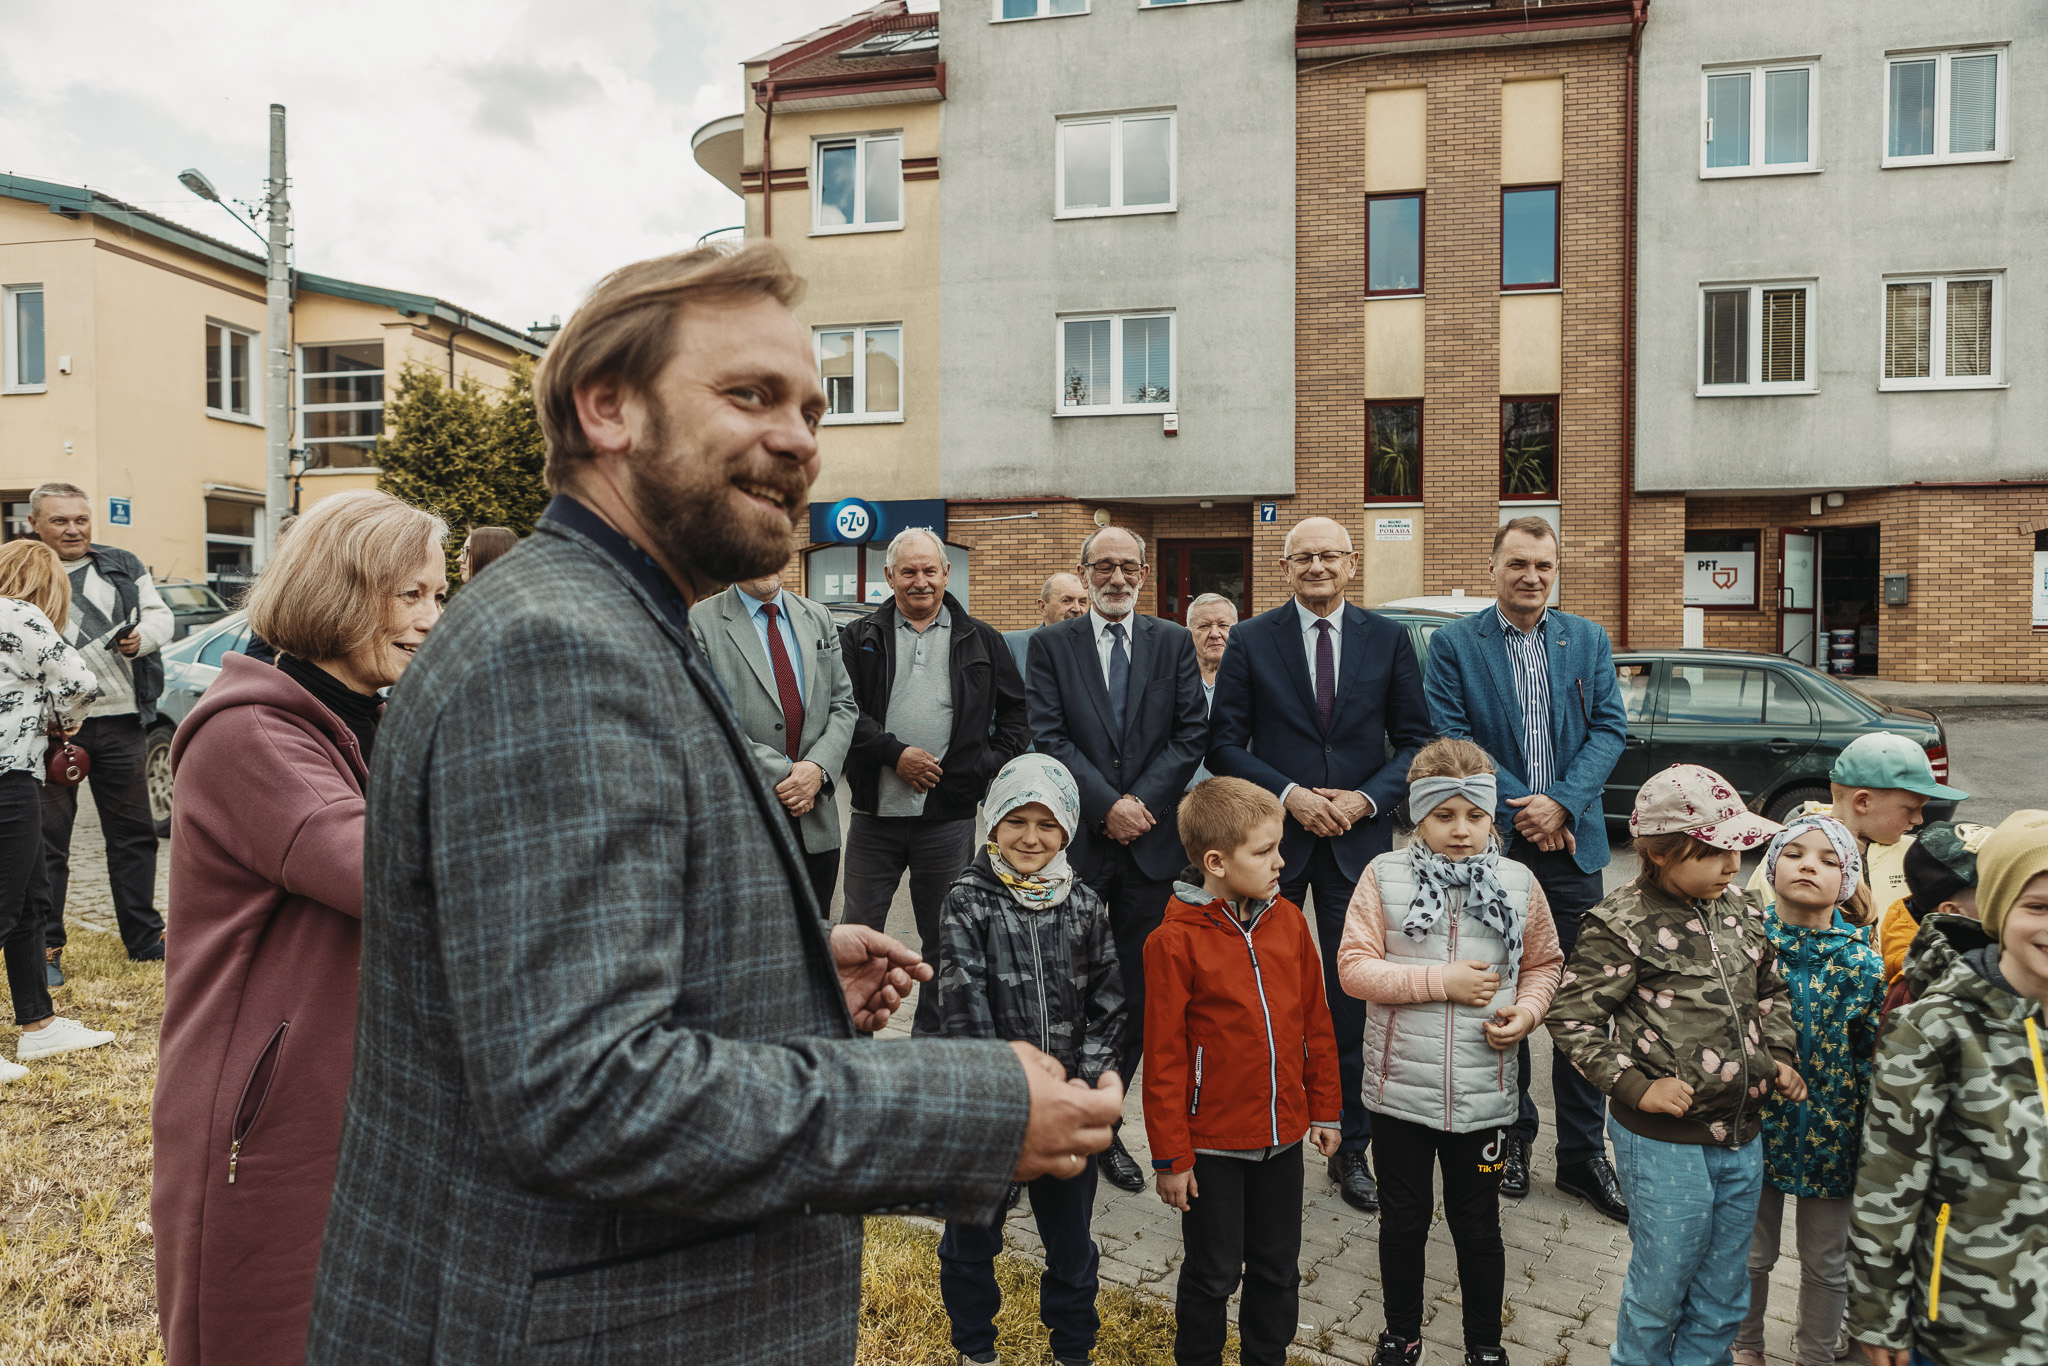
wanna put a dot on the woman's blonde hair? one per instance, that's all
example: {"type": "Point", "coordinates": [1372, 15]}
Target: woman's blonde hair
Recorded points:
{"type": "Point", "coordinates": [1450, 759]}
{"type": "Point", "coordinates": [329, 586]}
{"type": "Point", "coordinates": [31, 571]}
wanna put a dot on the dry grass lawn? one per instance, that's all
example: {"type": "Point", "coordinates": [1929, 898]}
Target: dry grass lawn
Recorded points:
{"type": "Point", "coordinates": [77, 1263]}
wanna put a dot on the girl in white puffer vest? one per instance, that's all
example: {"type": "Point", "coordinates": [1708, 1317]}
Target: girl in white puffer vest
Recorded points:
{"type": "Point", "coordinates": [1454, 948]}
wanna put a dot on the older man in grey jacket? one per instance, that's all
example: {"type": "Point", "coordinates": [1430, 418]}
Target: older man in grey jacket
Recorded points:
{"type": "Point", "coordinates": [778, 656]}
{"type": "Point", "coordinates": [610, 1100]}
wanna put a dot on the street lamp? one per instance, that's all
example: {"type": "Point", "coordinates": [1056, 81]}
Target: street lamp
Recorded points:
{"type": "Point", "coordinates": [276, 212]}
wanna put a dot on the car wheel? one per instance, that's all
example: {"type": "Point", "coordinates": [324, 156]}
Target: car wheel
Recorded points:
{"type": "Point", "coordinates": [1788, 803]}
{"type": "Point", "coordinates": [156, 773]}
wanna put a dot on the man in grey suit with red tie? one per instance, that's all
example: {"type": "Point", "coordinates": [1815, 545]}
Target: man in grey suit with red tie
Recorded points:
{"type": "Point", "coordinates": [1116, 696]}
{"type": "Point", "coordinates": [1312, 699]}
{"type": "Point", "coordinates": [778, 656]}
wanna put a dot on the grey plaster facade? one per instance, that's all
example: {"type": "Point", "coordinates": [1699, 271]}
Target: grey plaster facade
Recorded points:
{"type": "Point", "coordinates": [1223, 261]}
{"type": "Point", "coordinates": [1845, 227]}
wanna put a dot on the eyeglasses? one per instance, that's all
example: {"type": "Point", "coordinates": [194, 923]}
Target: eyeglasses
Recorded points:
{"type": "Point", "coordinates": [1132, 569]}
{"type": "Point", "coordinates": [1328, 559]}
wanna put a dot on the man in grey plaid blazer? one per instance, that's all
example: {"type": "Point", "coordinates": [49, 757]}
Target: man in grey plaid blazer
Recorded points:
{"type": "Point", "coordinates": [610, 1101]}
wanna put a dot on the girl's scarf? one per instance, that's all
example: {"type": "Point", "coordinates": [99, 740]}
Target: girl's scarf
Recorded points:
{"type": "Point", "coordinates": [1485, 897]}
{"type": "Point", "coordinates": [1838, 835]}
{"type": "Point", "coordinates": [1026, 779]}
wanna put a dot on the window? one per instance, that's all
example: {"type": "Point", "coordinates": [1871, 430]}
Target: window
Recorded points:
{"type": "Point", "coordinates": [860, 184]}
{"type": "Point", "coordinates": [1943, 333]}
{"type": "Point", "coordinates": [862, 370]}
{"type": "Point", "coordinates": [21, 339]}
{"type": "Point", "coordinates": [231, 369]}
{"type": "Point", "coordinates": [1634, 680]}
{"type": "Point", "coordinates": [341, 404]}
{"type": "Point", "coordinates": [1528, 238]}
{"type": "Point", "coordinates": [1780, 102]}
{"type": "Point", "coordinates": [1038, 9]}
{"type": "Point", "coordinates": [1393, 244]}
{"type": "Point", "coordinates": [1119, 364]}
{"type": "Point", "coordinates": [1707, 695]}
{"type": "Point", "coordinates": [1119, 164]}
{"type": "Point", "coordinates": [1393, 452]}
{"type": "Point", "coordinates": [230, 540]}
{"type": "Point", "coordinates": [1753, 339]}
{"type": "Point", "coordinates": [1945, 106]}
{"type": "Point", "coordinates": [1528, 449]}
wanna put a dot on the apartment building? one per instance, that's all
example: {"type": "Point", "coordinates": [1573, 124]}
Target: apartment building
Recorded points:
{"type": "Point", "coordinates": [131, 351]}
{"type": "Point", "coordinates": [1461, 278]}
{"type": "Point", "coordinates": [1117, 289]}
{"type": "Point", "coordinates": [1839, 358]}
{"type": "Point", "coordinates": [836, 155]}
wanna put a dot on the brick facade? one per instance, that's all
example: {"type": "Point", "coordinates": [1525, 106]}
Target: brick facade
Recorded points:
{"type": "Point", "coordinates": [1969, 552]}
{"type": "Point", "coordinates": [1461, 413]}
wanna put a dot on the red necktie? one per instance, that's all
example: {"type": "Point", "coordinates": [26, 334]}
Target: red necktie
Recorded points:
{"type": "Point", "coordinates": [785, 683]}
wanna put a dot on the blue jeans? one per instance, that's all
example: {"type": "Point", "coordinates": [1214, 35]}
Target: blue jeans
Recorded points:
{"type": "Point", "coordinates": [1692, 1210]}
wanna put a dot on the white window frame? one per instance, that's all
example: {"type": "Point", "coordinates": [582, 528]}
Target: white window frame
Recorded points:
{"type": "Point", "coordinates": [1175, 4]}
{"type": "Point", "coordinates": [860, 331]}
{"type": "Point", "coordinates": [996, 15]}
{"type": "Point", "coordinates": [9, 343]}
{"type": "Point", "coordinates": [860, 141]}
{"type": "Point", "coordinates": [1757, 132]}
{"type": "Point", "coordinates": [254, 417]}
{"type": "Point", "coordinates": [1116, 164]}
{"type": "Point", "coordinates": [306, 444]}
{"type": "Point", "coordinates": [1937, 323]}
{"type": "Point", "coordinates": [2002, 151]}
{"type": "Point", "coordinates": [1753, 386]}
{"type": "Point", "coordinates": [1116, 363]}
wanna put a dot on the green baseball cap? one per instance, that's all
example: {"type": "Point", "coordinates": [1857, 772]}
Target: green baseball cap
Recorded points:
{"type": "Point", "coordinates": [1887, 760]}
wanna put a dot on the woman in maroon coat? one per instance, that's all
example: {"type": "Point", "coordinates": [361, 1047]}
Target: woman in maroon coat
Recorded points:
{"type": "Point", "coordinates": [266, 904]}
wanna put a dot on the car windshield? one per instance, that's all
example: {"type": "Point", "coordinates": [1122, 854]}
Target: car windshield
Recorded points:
{"type": "Point", "coordinates": [189, 597]}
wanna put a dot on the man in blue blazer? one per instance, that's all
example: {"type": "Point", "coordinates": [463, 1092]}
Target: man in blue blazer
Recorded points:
{"type": "Point", "coordinates": [1311, 699]}
{"type": "Point", "coordinates": [1536, 688]}
{"type": "Point", "coordinates": [1117, 697]}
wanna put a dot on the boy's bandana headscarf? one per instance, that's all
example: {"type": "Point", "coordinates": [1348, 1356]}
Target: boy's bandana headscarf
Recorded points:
{"type": "Point", "coordinates": [1838, 835]}
{"type": "Point", "coordinates": [1026, 779]}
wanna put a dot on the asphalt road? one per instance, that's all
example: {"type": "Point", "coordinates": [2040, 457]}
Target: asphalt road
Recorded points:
{"type": "Point", "coordinates": [1999, 757]}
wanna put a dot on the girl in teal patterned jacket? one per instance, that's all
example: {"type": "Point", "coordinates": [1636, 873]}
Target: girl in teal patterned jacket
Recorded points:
{"type": "Point", "coordinates": [1811, 1146]}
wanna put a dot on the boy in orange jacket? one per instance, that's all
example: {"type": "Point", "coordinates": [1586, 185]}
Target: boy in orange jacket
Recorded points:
{"type": "Point", "coordinates": [1239, 1059]}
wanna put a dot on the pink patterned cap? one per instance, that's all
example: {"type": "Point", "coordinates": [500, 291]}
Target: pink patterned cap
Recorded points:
{"type": "Point", "coordinates": [1688, 799]}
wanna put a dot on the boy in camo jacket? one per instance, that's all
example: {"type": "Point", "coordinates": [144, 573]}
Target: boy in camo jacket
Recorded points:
{"type": "Point", "coordinates": [1948, 1251]}
{"type": "Point", "coordinates": [1672, 1005]}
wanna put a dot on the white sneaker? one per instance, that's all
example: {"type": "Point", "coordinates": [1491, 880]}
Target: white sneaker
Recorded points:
{"type": "Point", "coordinates": [10, 1072]}
{"type": "Point", "coordinates": [61, 1035]}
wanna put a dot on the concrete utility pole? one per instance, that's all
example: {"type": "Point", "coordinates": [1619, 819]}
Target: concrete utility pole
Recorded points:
{"type": "Point", "coordinates": [277, 376]}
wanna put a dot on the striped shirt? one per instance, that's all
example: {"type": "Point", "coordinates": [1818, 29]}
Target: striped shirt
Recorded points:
{"type": "Point", "coordinates": [1531, 672]}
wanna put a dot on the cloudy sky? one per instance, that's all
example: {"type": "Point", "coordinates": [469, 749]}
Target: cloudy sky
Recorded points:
{"type": "Point", "coordinates": [500, 155]}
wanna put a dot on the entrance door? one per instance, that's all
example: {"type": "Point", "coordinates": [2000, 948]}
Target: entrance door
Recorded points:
{"type": "Point", "coordinates": [1798, 585]}
{"type": "Point", "coordinates": [1188, 569]}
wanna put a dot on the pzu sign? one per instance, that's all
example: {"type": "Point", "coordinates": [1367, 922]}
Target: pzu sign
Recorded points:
{"type": "Point", "coordinates": [854, 521]}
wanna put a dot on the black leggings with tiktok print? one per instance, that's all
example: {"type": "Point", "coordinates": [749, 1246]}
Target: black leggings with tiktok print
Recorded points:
{"type": "Point", "coordinates": [1404, 1158]}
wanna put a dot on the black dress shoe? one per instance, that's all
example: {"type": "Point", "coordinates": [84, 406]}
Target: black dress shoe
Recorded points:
{"type": "Point", "coordinates": [1354, 1182]}
{"type": "Point", "coordinates": [1121, 1168]}
{"type": "Point", "coordinates": [1514, 1167]}
{"type": "Point", "coordinates": [1594, 1183]}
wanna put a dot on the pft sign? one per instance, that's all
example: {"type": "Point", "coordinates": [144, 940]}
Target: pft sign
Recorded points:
{"type": "Point", "coordinates": [1722, 578]}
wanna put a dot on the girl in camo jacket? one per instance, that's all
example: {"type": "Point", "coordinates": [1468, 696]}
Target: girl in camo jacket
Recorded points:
{"type": "Point", "coordinates": [1948, 1246]}
{"type": "Point", "coordinates": [1672, 1005]}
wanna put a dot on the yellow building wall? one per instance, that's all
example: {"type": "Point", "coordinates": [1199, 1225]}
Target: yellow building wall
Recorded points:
{"type": "Point", "coordinates": [1396, 140]}
{"type": "Point", "coordinates": [1531, 132]}
{"type": "Point", "coordinates": [1531, 343]}
{"type": "Point", "coordinates": [864, 278]}
{"type": "Point", "coordinates": [1393, 348]}
{"type": "Point", "coordinates": [129, 420]}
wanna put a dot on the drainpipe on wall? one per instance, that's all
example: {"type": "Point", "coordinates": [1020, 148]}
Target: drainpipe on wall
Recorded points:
{"type": "Point", "coordinates": [1628, 306]}
{"type": "Point", "coordinates": [767, 163]}
{"type": "Point", "coordinates": [455, 330]}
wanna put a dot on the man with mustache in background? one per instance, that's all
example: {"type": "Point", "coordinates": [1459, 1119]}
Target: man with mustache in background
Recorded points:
{"type": "Point", "coordinates": [941, 712]}
{"type": "Point", "coordinates": [610, 1102]}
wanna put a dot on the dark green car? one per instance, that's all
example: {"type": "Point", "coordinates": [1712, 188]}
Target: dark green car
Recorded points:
{"type": "Point", "coordinates": [1770, 726]}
